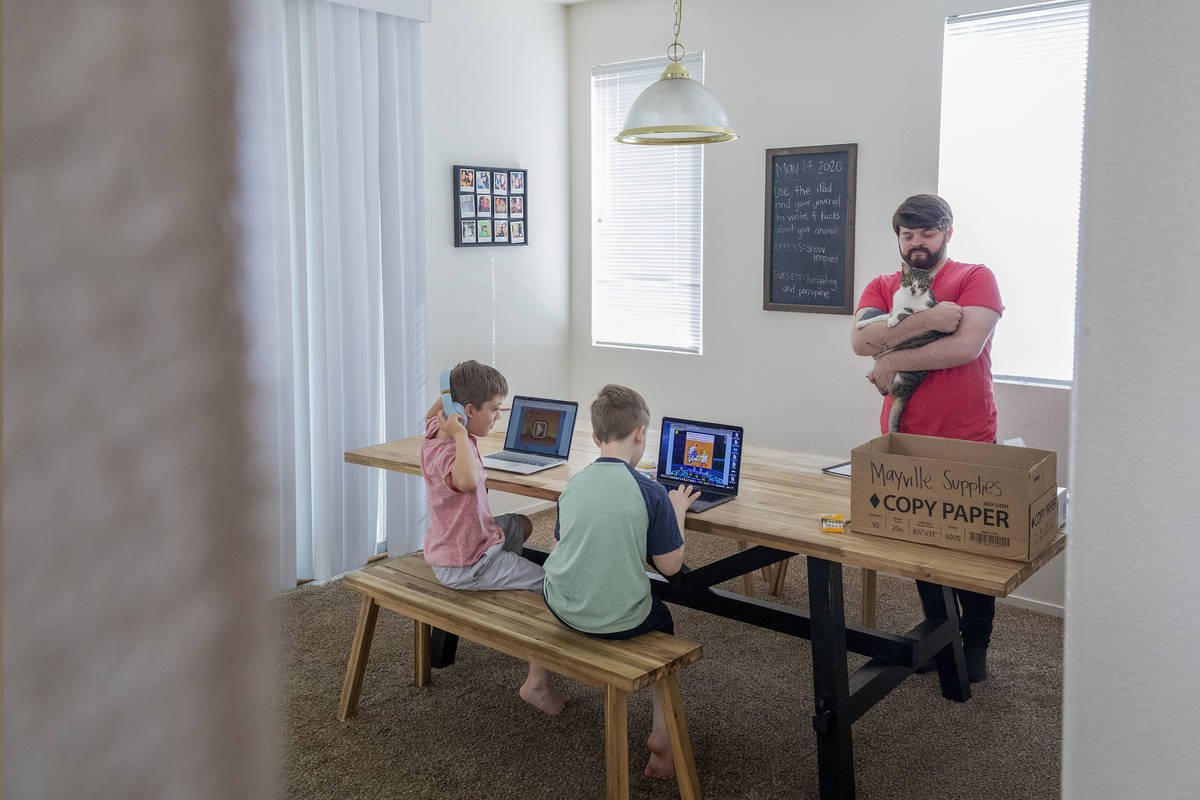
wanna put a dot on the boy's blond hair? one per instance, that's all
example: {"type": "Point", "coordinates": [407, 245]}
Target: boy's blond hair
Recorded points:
{"type": "Point", "coordinates": [475, 383]}
{"type": "Point", "coordinates": [616, 412]}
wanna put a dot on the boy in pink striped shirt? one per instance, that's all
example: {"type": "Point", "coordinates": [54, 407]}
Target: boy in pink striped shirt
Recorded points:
{"type": "Point", "coordinates": [467, 547]}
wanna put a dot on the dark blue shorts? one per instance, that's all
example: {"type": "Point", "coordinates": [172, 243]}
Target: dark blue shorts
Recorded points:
{"type": "Point", "coordinates": [659, 619]}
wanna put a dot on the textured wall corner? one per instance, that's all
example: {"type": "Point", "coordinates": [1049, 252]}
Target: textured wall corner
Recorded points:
{"type": "Point", "coordinates": [1131, 654]}
{"type": "Point", "coordinates": [134, 629]}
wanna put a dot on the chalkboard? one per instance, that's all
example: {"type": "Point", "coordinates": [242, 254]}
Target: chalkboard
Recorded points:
{"type": "Point", "coordinates": [808, 261]}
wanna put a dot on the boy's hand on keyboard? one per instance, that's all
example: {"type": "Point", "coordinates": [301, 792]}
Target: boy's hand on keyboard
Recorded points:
{"type": "Point", "coordinates": [682, 497]}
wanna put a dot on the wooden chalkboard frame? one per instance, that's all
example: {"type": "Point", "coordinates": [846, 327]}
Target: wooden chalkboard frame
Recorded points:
{"type": "Point", "coordinates": [851, 151]}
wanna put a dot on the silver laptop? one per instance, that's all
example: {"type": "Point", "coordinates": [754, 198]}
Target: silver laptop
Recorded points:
{"type": "Point", "coordinates": [539, 435]}
{"type": "Point", "coordinates": [705, 455]}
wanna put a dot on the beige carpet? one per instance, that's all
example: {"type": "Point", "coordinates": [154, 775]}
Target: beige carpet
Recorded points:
{"type": "Point", "coordinates": [748, 701]}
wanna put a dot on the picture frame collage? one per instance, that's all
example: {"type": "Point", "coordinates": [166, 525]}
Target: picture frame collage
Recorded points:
{"type": "Point", "coordinates": [491, 206]}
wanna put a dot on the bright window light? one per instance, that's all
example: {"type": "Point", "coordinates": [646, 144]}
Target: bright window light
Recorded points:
{"type": "Point", "coordinates": [1013, 86]}
{"type": "Point", "coordinates": [647, 222]}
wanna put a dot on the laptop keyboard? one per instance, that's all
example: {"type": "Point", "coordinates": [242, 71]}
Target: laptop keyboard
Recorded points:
{"type": "Point", "coordinates": [524, 458]}
{"type": "Point", "coordinates": [706, 496]}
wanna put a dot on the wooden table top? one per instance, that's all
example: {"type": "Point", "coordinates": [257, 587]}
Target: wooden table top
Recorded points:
{"type": "Point", "coordinates": [781, 496]}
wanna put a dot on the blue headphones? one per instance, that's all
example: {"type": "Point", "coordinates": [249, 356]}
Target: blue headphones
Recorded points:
{"type": "Point", "coordinates": [448, 404]}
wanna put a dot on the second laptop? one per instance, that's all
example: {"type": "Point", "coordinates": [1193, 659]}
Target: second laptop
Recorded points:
{"type": "Point", "coordinates": [538, 437]}
{"type": "Point", "coordinates": [706, 455]}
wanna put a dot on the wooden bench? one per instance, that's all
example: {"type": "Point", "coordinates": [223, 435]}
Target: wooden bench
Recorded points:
{"type": "Point", "coordinates": [519, 624]}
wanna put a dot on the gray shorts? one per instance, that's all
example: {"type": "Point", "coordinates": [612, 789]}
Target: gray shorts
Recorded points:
{"type": "Point", "coordinates": [501, 565]}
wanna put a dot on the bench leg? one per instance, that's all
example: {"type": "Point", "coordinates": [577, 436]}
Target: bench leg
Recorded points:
{"type": "Point", "coordinates": [616, 744]}
{"type": "Point", "coordinates": [868, 597]}
{"type": "Point", "coordinates": [364, 631]}
{"type": "Point", "coordinates": [420, 654]}
{"type": "Point", "coordinates": [748, 578]}
{"type": "Point", "coordinates": [681, 743]}
{"type": "Point", "coordinates": [780, 574]}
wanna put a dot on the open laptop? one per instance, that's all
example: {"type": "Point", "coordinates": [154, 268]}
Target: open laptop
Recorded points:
{"type": "Point", "coordinates": [539, 435]}
{"type": "Point", "coordinates": [705, 455]}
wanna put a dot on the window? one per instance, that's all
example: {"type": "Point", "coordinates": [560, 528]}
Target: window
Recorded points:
{"type": "Point", "coordinates": [647, 212]}
{"type": "Point", "coordinates": [1011, 150]}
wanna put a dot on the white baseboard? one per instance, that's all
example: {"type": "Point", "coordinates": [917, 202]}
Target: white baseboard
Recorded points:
{"type": "Point", "coordinates": [1042, 606]}
{"type": "Point", "coordinates": [535, 506]}
{"type": "Point", "coordinates": [505, 503]}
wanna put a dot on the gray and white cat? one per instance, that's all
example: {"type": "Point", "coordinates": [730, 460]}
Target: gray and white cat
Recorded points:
{"type": "Point", "coordinates": [912, 297]}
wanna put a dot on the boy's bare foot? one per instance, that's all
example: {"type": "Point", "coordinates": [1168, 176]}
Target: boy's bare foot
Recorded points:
{"type": "Point", "coordinates": [661, 763]}
{"type": "Point", "coordinates": [543, 697]}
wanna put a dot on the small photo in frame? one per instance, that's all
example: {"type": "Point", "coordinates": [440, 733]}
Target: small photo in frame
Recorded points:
{"type": "Point", "coordinates": [517, 229]}
{"type": "Point", "coordinates": [468, 231]}
{"type": "Point", "coordinates": [516, 183]}
{"type": "Point", "coordinates": [484, 231]}
{"type": "Point", "coordinates": [500, 231]}
{"type": "Point", "coordinates": [466, 206]}
{"type": "Point", "coordinates": [500, 183]}
{"type": "Point", "coordinates": [466, 180]}
{"type": "Point", "coordinates": [483, 181]}
{"type": "Point", "coordinates": [500, 206]}
{"type": "Point", "coordinates": [484, 205]}
{"type": "Point", "coordinates": [516, 207]}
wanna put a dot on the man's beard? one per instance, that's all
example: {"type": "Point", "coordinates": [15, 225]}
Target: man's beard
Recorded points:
{"type": "Point", "coordinates": [929, 260]}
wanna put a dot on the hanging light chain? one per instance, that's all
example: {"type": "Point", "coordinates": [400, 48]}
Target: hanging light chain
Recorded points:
{"type": "Point", "coordinates": [676, 51]}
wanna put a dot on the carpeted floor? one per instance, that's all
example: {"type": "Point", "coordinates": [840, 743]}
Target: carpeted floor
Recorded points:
{"type": "Point", "coordinates": [748, 701]}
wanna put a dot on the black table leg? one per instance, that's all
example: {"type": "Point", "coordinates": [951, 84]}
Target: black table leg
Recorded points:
{"type": "Point", "coordinates": [939, 605]}
{"type": "Point", "coordinates": [831, 682]}
{"type": "Point", "coordinates": [442, 647]}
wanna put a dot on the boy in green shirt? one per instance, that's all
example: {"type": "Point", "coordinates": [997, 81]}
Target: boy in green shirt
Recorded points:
{"type": "Point", "coordinates": [610, 519]}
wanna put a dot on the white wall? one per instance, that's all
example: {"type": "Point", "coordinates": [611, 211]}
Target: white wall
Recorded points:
{"type": "Point", "coordinates": [1130, 708]}
{"type": "Point", "coordinates": [789, 74]}
{"type": "Point", "coordinates": [495, 93]}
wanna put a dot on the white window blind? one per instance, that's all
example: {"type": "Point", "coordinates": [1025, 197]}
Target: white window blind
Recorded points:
{"type": "Point", "coordinates": [647, 219]}
{"type": "Point", "coordinates": [1011, 149]}
{"type": "Point", "coordinates": [1013, 89]}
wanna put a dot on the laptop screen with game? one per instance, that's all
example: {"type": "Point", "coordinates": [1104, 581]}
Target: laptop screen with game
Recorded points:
{"type": "Point", "coordinates": [540, 426]}
{"type": "Point", "coordinates": [703, 454]}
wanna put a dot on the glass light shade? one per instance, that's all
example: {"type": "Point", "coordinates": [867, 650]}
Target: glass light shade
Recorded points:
{"type": "Point", "coordinates": [676, 110]}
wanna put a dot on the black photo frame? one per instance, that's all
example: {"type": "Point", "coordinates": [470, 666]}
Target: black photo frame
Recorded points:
{"type": "Point", "coordinates": [478, 192]}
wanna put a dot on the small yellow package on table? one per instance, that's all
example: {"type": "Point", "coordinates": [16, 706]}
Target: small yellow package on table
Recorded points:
{"type": "Point", "coordinates": [833, 523]}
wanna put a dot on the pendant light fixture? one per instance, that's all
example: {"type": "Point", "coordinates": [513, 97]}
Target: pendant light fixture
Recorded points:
{"type": "Point", "coordinates": [676, 109]}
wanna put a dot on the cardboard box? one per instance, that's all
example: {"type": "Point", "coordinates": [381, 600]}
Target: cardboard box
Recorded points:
{"type": "Point", "coordinates": [982, 498]}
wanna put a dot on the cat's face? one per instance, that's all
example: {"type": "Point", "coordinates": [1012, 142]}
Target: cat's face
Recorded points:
{"type": "Point", "coordinates": [917, 281]}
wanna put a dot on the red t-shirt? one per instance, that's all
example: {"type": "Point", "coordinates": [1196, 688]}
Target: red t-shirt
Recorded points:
{"type": "Point", "coordinates": [461, 526]}
{"type": "Point", "coordinates": [955, 403]}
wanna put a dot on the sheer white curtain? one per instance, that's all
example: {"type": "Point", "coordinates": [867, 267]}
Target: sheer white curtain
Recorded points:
{"type": "Point", "coordinates": [341, 315]}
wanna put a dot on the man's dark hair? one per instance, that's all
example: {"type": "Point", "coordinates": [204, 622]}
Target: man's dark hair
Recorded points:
{"type": "Point", "coordinates": [923, 212]}
{"type": "Point", "coordinates": [475, 383]}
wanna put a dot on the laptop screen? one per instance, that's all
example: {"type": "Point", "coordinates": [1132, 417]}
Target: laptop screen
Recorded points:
{"type": "Point", "coordinates": [541, 426]}
{"type": "Point", "coordinates": [703, 454]}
